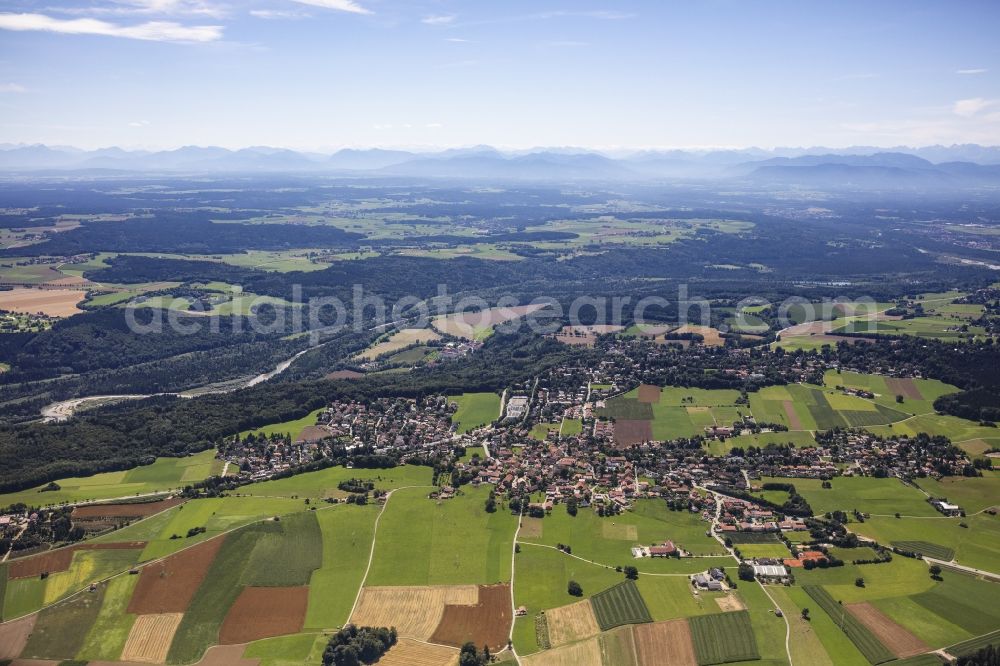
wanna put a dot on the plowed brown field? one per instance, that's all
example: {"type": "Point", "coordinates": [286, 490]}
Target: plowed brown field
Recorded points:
{"type": "Point", "coordinates": [263, 612]}
{"type": "Point", "coordinates": [167, 586]}
{"type": "Point", "coordinates": [59, 560]}
{"type": "Point", "coordinates": [899, 641]}
{"type": "Point", "coordinates": [134, 510]}
{"type": "Point", "coordinates": [486, 623]}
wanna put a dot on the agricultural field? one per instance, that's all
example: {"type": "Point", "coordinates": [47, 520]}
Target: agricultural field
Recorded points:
{"type": "Point", "coordinates": [291, 428]}
{"type": "Point", "coordinates": [51, 302]}
{"type": "Point", "coordinates": [322, 484]}
{"type": "Point", "coordinates": [879, 497]}
{"type": "Point", "coordinates": [479, 325]}
{"type": "Point", "coordinates": [609, 540]}
{"type": "Point", "coordinates": [475, 410]}
{"type": "Point", "coordinates": [977, 545]}
{"type": "Point", "coordinates": [448, 542]}
{"type": "Point", "coordinates": [162, 475]}
{"type": "Point", "coordinates": [618, 605]}
{"type": "Point", "coordinates": [397, 341]}
{"type": "Point", "coordinates": [723, 638]}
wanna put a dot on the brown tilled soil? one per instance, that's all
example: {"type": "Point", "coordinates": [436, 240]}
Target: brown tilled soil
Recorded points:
{"type": "Point", "coordinates": [168, 586]}
{"type": "Point", "coordinates": [225, 655]}
{"type": "Point", "coordinates": [649, 393]}
{"type": "Point", "coordinates": [486, 623]}
{"type": "Point", "coordinates": [664, 643]}
{"type": "Point", "coordinates": [14, 636]}
{"type": "Point", "coordinates": [135, 510]}
{"type": "Point", "coordinates": [905, 387]}
{"type": "Point", "coordinates": [531, 528]}
{"type": "Point", "coordinates": [54, 561]}
{"type": "Point", "coordinates": [730, 603]}
{"type": "Point", "coordinates": [628, 432]}
{"type": "Point", "coordinates": [899, 641]}
{"type": "Point", "coordinates": [263, 612]}
{"type": "Point", "coordinates": [793, 419]}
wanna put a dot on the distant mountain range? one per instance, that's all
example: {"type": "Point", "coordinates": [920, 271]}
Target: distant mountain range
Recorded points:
{"type": "Point", "coordinates": [968, 165]}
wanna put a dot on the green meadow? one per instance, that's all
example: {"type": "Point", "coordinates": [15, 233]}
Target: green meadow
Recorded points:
{"type": "Point", "coordinates": [162, 475]}
{"type": "Point", "coordinates": [475, 410]}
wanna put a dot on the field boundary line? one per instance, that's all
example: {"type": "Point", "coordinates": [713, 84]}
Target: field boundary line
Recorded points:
{"type": "Point", "coordinates": [513, 607]}
{"type": "Point", "coordinates": [601, 564]}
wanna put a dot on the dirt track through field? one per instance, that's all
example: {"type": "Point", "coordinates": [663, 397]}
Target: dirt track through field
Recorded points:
{"type": "Point", "coordinates": [899, 641]}
{"type": "Point", "coordinates": [568, 624]}
{"type": "Point", "coordinates": [168, 586]}
{"type": "Point", "coordinates": [485, 623]}
{"type": "Point", "coordinates": [667, 642]}
{"type": "Point", "coordinates": [415, 611]}
{"type": "Point", "coordinates": [264, 612]}
{"type": "Point", "coordinates": [150, 638]}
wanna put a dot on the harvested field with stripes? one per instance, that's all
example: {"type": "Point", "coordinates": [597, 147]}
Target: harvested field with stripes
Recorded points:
{"type": "Point", "coordinates": [415, 611]}
{"type": "Point", "coordinates": [568, 624]}
{"type": "Point", "coordinates": [150, 638]}
{"type": "Point", "coordinates": [169, 585]}
{"type": "Point", "coordinates": [584, 653]}
{"type": "Point", "coordinates": [264, 612]}
{"type": "Point", "coordinates": [413, 653]}
{"type": "Point", "coordinates": [666, 642]}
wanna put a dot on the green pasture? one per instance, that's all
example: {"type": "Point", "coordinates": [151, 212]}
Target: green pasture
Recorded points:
{"type": "Point", "coordinates": [323, 483]}
{"type": "Point", "coordinates": [291, 428]}
{"type": "Point", "coordinates": [162, 475]}
{"type": "Point", "coordinates": [347, 533]}
{"type": "Point", "coordinates": [475, 410]}
{"type": "Point", "coordinates": [977, 545]}
{"type": "Point", "coordinates": [866, 494]}
{"type": "Point", "coordinates": [442, 542]}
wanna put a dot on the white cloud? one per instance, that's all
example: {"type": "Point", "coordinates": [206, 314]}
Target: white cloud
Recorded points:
{"type": "Point", "coordinates": [12, 88]}
{"type": "Point", "coordinates": [970, 107]}
{"type": "Point", "coordinates": [155, 31]}
{"type": "Point", "coordinates": [969, 72]}
{"type": "Point", "coordinates": [274, 14]}
{"type": "Point", "coordinates": [433, 125]}
{"type": "Point", "coordinates": [340, 5]}
{"type": "Point", "coordinates": [139, 123]}
{"type": "Point", "coordinates": [457, 40]}
{"type": "Point", "coordinates": [439, 20]}
{"type": "Point", "coordinates": [153, 7]}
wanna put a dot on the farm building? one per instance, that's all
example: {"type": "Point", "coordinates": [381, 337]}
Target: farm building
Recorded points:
{"type": "Point", "coordinates": [770, 572]}
{"type": "Point", "coordinates": [667, 549]}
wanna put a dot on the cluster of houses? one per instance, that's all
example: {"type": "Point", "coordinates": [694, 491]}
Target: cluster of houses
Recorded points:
{"type": "Point", "coordinates": [744, 516]}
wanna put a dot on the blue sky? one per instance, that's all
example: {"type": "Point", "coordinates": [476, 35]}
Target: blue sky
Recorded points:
{"type": "Point", "coordinates": [323, 74]}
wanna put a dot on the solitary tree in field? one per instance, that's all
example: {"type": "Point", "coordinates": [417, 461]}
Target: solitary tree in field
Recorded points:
{"type": "Point", "coordinates": [805, 614]}
{"type": "Point", "coordinates": [574, 589]}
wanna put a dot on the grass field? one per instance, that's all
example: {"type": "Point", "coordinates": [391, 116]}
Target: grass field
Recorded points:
{"type": "Point", "coordinates": [162, 475]}
{"type": "Point", "coordinates": [323, 483]}
{"type": "Point", "coordinates": [540, 584]}
{"type": "Point", "coordinates": [723, 638]}
{"type": "Point", "coordinates": [61, 630]}
{"type": "Point", "coordinates": [618, 605]}
{"type": "Point", "coordinates": [838, 648]}
{"type": "Point", "coordinates": [286, 557]}
{"type": "Point", "coordinates": [867, 643]}
{"type": "Point", "coordinates": [866, 494]}
{"type": "Point", "coordinates": [347, 533]}
{"type": "Point", "coordinates": [287, 650]}
{"type": "Point", "coordinates": [450, 542]}
{"type": "Point", "coordinates": [609, 540]}
{"type": "Point", "coordinates": [110, 630]}
{"type": "Point", "coordinates": [475, 410]}
{"type": "Point", "coordinates": [292, 428]}
{"type": "Point", "coordinates": [977, 545]}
